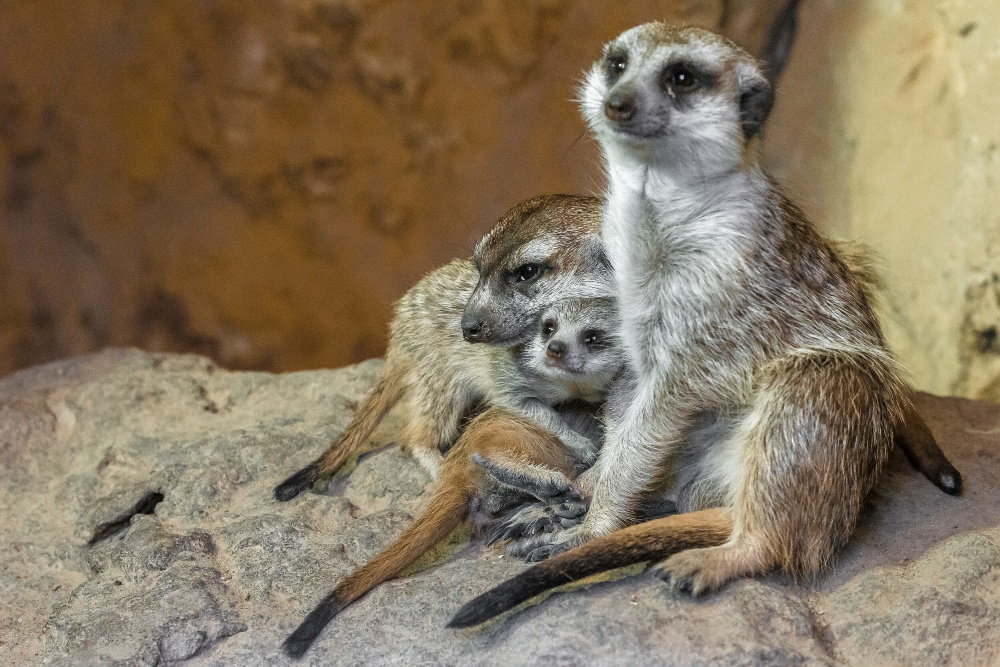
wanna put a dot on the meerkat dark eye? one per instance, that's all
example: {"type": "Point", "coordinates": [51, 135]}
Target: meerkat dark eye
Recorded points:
{"type": "Point", "coordinates": [615, 65]}
{"type": "Point", "coordinates": [548, 328]}
{"type": "Point", "coordinates": [594, 339]}
{"type": "Point", "coordinates": [527, 272]}
{"type": "Point", "coordinates": [680, 79]}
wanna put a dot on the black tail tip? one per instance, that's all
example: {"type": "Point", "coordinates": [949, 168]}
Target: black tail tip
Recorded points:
{"type": "Point", "coordinates": [296, 484]}
{"type": "Point", "coordinates": [474, 612]}
{"type": "Point", "coordinates": [296, 648]}
{"type": "Point", "coordinates": [949, 481]}
{"type": "Point", "coordinates": [297, 643]}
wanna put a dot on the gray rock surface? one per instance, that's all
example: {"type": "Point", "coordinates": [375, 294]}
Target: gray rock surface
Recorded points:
{"type": "Point", "coordinates": [220, 572]}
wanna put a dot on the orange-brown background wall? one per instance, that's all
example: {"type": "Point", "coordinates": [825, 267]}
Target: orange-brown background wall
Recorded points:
{"type": "Point", "coordinates": [259, 181]}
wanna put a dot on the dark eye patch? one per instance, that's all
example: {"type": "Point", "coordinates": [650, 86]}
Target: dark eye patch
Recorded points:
{"type": "Point", "coordinates": [526, 272]}
{"type": "Point", "coordinates": [615, 64]}
{"type": "Point", "coordinates": [548, 328]}
{"type": "Point", "coordinates": [595, 339]}
{"type": "Point", "coordinates": [683, 77]}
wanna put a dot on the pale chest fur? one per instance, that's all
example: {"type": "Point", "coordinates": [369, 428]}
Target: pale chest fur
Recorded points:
{"type": "Point", "coordinates": [676, 284]}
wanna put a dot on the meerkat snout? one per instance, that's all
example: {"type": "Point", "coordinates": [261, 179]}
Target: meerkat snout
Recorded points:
{"type": "Point", "coordinates": [555, 349]}
{"type": "Point", "coordinates": [620, 106]}
{"type": "Point", "coordinates": [473, 328]}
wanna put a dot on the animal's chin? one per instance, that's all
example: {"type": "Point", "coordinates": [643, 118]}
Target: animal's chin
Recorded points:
{"type": "Point", "coordinates": [634, 136]}
{"type": "Point", "coordinates": [561, 369]}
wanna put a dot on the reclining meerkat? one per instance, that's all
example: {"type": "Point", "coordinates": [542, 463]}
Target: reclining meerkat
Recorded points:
{"type": "Point", "coordinates": [545, 250]}
{"type": "Point", "coordinates": [730, 300]}
{"type": "Point", "coordinates": [574, 347]}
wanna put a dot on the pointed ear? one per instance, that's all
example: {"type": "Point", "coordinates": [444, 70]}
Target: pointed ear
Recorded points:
{"type": "Point", "coordinates": [756, 98]}
{"type": "Point", "coordinates": [594, 253]}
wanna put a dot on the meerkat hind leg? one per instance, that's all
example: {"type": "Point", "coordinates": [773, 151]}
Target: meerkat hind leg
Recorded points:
{"type": "Point", "coordinates": [789, 512]}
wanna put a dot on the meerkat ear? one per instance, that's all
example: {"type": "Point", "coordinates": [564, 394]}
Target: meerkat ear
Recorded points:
{"type": "Point", "coordinates": [595, 255]}
{"type": "Point", "coordinates": [756, 98]}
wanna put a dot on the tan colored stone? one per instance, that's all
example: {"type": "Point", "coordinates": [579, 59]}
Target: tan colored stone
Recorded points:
{"type": "Point", "coordinates": [220, 573]}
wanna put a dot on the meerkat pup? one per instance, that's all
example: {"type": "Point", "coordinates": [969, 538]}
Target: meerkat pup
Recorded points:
{"type": "Point", "coordinates": [574, 347]}
{"type": "Point", "coordinates": [730, 300]}
{"type": "Point", "coordinates": [542, 251]}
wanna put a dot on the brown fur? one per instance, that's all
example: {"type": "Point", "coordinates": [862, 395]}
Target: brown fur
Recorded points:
{"type": "Point", "coordinates": [494, 433]}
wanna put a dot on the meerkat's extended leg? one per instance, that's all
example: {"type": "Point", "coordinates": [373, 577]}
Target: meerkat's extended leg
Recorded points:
{"type": "Point", "coordinates": [420, 438]}
{"type": "Point", "coordinates": [433, 426]}
{"type": "Point", "coordinates": [635, 449]}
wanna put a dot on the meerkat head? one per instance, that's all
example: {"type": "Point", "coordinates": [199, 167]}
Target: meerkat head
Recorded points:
{"type": "Point", "coordinates": [676, 96]}
{"type": "Point", "coordinates": [577, 340]}
{"type": "Point", "coordinates": [543, 250]}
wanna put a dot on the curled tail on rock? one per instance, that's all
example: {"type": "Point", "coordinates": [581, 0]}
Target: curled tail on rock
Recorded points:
{"type": "Point", "coordinates": [387, 392]}
{"type": "Point", "coordinates": [644, 542]}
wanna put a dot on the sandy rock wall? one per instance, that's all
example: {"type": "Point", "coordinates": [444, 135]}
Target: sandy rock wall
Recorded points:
{"type": "Point", "coordinates": [258, 182]}
{"type": "Point", "coordinates": [890, 135]}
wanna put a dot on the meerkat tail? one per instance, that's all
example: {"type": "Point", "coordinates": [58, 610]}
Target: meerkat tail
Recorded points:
{"type": "Point", "coordinates": [653, 540]}
{"type": "Point", "coordinates": [384, 396]}
{"type": "Point", "coordinates": [447, 509]}
{"type": "Point", "coordinates": [924, 454]}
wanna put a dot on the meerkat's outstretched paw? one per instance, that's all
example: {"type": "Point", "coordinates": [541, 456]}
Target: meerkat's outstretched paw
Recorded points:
{"type": "Point", "coordinates": [697, 572]}
{"type": "Point", "coordinates": [528, 520]}
{"type": "Point", "coordinates": [538, 518]}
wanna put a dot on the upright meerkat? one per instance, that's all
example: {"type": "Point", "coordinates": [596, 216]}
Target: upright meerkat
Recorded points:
{"type": "Point", "coordinates": [730, 300]}
{"type": "Point", "coordinates": [542, 251]}
{"type": "Point", "coordinates": [574, 342]}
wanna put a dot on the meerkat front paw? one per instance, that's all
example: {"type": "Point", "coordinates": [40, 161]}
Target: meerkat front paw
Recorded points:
{"type": "Point", "coordinates": [545, 545]}
{"type": "Point", "coordinates": [538, 518]}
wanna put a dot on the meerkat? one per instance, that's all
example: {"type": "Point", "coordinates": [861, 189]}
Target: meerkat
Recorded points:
{"type": "Point", "coordinates": [574, 347]}
{"type": "Point", "coordinates": [540, 252]}
{"type": "Point", "coordinates": [730, 300]}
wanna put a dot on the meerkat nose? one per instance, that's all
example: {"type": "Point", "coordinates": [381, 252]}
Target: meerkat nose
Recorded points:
{"type": "Point", "coordinates": [620, 107]}
{"type": "Point", "coordinates": [556, 349]}
{"type": "Point", "coordinates": [473, 328]}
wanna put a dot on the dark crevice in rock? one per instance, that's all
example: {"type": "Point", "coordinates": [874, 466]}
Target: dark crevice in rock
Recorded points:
{"type": "Point", "coordinates": [210, 404]}
{"type": "Point", "coordinates": [822, 632]}
{"type": "Point", "coordinates": [146, 505]}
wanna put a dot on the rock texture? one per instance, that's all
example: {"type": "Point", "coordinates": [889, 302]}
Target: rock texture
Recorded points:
{"type": "Point", "coordinates": [258, 181]}
{"type": "Point", "coordinates": [219, 573]}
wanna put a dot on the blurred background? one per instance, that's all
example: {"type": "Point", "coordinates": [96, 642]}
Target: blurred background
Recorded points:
{"type": "Point", "coordinates": [259, 181]}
